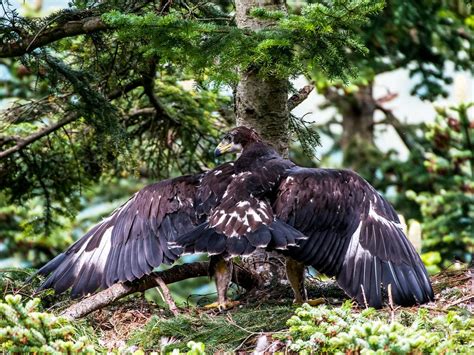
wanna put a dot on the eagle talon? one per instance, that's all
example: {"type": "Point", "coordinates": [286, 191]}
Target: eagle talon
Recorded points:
{"type": "Point", "coordinates": [316, 302]}
{"type": "Point", "coordinates": [313, 302]}
{"type": "Point", "coordinates": [222, 306]}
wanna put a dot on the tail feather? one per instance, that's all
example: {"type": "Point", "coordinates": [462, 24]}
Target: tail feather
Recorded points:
{"type": "Point", "coordinates": [205, 239]}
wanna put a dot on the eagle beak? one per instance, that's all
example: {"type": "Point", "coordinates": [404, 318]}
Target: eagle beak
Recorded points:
{"type": "Point", "coordinates": [222, 148]}
{"type": "Point", "coordinates": [226, 147]}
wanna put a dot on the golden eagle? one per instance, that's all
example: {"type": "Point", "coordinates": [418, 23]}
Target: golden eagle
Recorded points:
{"type": "Point", "coordinates": [330, 219]}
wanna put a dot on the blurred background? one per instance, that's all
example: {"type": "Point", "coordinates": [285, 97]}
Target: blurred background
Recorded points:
{"type": "Point", "coordinates": [405, 123]}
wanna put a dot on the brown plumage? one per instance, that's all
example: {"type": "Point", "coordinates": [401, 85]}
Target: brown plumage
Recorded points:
{"type": "Point", "coordinates": [330, 219]}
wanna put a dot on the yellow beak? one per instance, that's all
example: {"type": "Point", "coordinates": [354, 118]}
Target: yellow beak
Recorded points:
{"type": "Point", "coordinates": [223, 147]}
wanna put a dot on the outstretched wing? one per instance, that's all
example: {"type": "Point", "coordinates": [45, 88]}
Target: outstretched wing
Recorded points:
{"type": "Point", "coordinates": [354, 234]}
{"type": "Point", "coordinates": [129, 243]}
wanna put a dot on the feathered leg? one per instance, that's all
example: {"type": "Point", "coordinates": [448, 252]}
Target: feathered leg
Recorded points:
{"type": "Point", "coordinates": [295, 275]}
{"type": "Point", "coordinates": [221, 270]}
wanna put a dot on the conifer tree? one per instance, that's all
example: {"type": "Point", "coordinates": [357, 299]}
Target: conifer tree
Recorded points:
{"type": "Point", "coordinates": [424, 37]}
{"type": "Point", "coordinates": [99, 89]}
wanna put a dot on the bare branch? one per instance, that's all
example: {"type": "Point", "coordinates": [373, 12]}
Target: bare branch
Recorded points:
{"type": "Point", "coordinates": [299, 97]}
{"type": "Point", "coordinates": [22, 143]}
{"type": "Point", "coordinates": [177, 273]}
{"type": "Point", "coordinates": [49, 35]}
{"type": "Point", "coordinates": [166, 294]}
{"type": "Point", "coordinates": [125, 88]}
{"type": "Point", "coordinates": [392, 120]}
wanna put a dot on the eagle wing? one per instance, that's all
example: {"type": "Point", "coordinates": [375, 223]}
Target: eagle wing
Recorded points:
{"type": "Point", "coordinates": [353, 234]}
{"type": "Point", "coordinates": [129, 243]}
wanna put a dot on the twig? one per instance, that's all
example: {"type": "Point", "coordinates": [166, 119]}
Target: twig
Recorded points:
{"type": "Point", "coordinates": [125, 88]}
{"type": "Point", "coordinates": [459, 301]}
{"type": "Point", "coordinates": [392, 120]}
{"type": "Point", "coordinates": [166, 294]}
{"type": "Point", "coordinates": [299, 97]}
{"type": "Point", "coordinates": [390, 303]}
{"type": "Point", "coordinates": [39, 134]}
{"type": "Point", "coordinates": [70, 117]}
{"type": "Point", "coordinates": [243, 342]}
{"type": "Point", "coordinates": [363, 295]}
{"type": "Point", "coordinates": [232, 321]}
{"type": "Point", "coordinates": [41, 30]}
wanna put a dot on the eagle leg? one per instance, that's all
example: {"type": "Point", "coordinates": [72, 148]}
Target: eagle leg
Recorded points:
{"type": "Point", "coordinates": [295, 274]}
{"type": "Point", "coordinates": [221, 269]}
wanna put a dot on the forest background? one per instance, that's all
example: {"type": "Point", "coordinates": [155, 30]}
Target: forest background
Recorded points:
{"type": "Point", "coordinates": [99, 99]}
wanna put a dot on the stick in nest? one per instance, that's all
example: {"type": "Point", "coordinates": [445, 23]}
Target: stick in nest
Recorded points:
{"type": "Point", "coordinates": [166, 295]}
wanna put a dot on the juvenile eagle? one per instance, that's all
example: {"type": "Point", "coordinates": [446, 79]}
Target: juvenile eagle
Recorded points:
{"type": "Point", "coordinates": [330, 219]}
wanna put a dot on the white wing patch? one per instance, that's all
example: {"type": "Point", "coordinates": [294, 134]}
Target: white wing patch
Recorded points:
{"type": "Point", "coordinates": [374, 215]}
{"type": "Point", "coordinates": [94, 257]}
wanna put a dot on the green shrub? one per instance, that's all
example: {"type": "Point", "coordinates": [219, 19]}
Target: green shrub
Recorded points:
{"type": "Point", "coordinates": [342, 331]}
{"type": "Point", "coordinates": [448, 209]}
{"type": "Point", "coordinates": [24, 329]}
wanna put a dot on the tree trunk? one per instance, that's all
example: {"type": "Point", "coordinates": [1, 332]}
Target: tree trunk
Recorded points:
{"type": "Point", "coordinates": [357, 141]}
{"type": "Point", "coordinates": [358, 117]}
{"type": "Point", "coordinates": [261, 103]}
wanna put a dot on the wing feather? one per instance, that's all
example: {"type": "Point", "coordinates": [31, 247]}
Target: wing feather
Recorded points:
{"type": "Point", "coordinates": [129, 243]}
{"type": "Point", "coordinates": [354, 234]}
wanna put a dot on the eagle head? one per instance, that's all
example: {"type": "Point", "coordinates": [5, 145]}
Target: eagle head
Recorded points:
{"type": "Point", "coordinates": [236, 140]}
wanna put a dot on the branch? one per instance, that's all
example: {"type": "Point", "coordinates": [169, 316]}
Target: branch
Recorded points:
{"type": "Point", "coordinates": [391, 119]}
{"type": "Point", "coordinates": [177, 273]}
{"type": "Point", "coordinates": [50, 35]}
{"type": "Point", "coordinates": [125, 88]}
{"type": "Point", "coordinates": [149, 88]}
{"type": "Point", "coordinates": [166, 295]}
{"type": "Point", "coordinates": [299, 97]}
{"type": "Point", "coordinates": [72, 116]}
{"type": "Point", "coordinates": [22, 143]}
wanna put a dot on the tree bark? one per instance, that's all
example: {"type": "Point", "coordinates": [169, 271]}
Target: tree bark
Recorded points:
{"type": "Point", "coordinates": [262, 104]}
{"type": "Point", "coordinates": [358, 117]}
{"type": "Point", "coordinates": [357, 110]}
{"type": "Point", "coordinates": [177, 273]}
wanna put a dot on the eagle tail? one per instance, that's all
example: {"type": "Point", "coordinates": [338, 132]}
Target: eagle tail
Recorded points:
{"type": "Point", "coordinates": [205, 239]}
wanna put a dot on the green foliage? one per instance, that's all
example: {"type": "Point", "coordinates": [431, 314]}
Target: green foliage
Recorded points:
{"type": "Point", "coordinates": [422, 36]}
{"type": "Point", "coordinates": [43, 186]}
{"type": "Point", "coordinates": [194, 349]}
{"type": "Point", "coordinates": [307, 135]}
{"type": "Point", "coordinates": [25, 329]}
{"type": "Point", "coordinates": [319, 38]}
{"type": "Point", "coordinates": [223, 332]}
{"type": "Point", "coordinates": [448, 207]}
{"type": "Point", "coordinates": [341, 331]}
{"type": "Point", "coordinates": [22, 236]}
{"type": "Point", "coordinates": [24, 239]}
{"type": "Point", "coordinates": [128, 102]}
